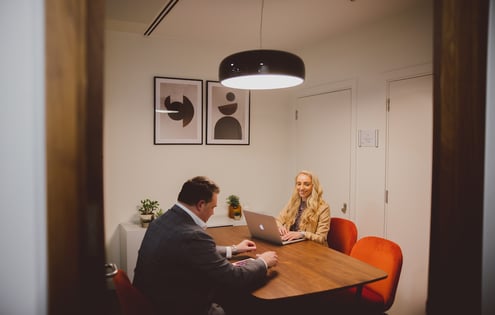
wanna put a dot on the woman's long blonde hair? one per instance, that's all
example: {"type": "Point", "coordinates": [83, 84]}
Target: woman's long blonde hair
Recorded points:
{"type": "Point", "coordinates": [312, 203]}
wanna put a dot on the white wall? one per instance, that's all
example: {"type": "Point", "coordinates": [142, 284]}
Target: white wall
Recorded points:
{"type": "Point", "coordinates": [22, 196]}
{"type": "Point", "coordinates": [135, 168]}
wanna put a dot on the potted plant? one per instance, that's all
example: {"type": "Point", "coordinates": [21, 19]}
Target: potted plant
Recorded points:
{"type": "Point", "coordinates": [235, 209]}
{"type": "Point", "coordinates": [147, 210]}
{"type": "Point", "coordinates": [158, 213]}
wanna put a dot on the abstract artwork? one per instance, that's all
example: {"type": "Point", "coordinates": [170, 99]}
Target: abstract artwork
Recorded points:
{"type": "Point", "coordinates": [178, 111]}
{"type": "Point", "coordinates": [228, 113]}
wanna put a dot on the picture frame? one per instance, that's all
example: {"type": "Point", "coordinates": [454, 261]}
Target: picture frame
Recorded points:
{"type": "Point", "coordinates": [227, 115]}
{"type": "Point", "coordinates": [177, 111]}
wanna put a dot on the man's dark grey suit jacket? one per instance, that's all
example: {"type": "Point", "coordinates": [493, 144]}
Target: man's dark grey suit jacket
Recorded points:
{"type": "Point", "coordinates": [179, 268]}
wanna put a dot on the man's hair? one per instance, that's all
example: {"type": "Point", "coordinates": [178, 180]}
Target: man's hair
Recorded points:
{"type": "Point", "coordinates": [196, 189]}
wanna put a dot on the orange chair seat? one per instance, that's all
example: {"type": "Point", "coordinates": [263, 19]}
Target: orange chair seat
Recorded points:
{"type": "Point", "coordinates": [376, 297]}
{"type": "Point", "coordinates": [131, 300]}
{"type": "Point", "coordinates": [370, 300]}
{"type": "Point", "coordinates": [348, 302]}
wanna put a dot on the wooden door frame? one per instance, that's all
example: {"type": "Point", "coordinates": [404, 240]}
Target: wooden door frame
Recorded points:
{"type": "Point", "coordinates": [459, 100]}
{"type": "Point", "coordinates": [74, 154]}
{"type": "Point", "coordinates": [74, 107]}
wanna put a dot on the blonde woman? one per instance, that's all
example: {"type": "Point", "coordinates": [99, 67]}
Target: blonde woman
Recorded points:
{"type": "Point", "coordinates": [306, 214]}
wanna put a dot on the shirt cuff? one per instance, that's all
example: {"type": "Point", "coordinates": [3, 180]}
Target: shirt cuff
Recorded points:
{"type": "Point", "coordinates": [264, 262]}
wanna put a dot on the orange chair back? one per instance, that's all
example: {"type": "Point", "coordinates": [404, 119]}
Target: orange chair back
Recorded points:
{"type": "Point", "coordinates": [383, 254]}
{"type": "Point", "coordinates": [131, 300]}
{"type": "Point", "coordinates": [342, 235]}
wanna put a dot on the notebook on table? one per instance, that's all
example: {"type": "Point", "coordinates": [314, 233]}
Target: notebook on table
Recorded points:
{"type": "Point", "coordinates": [265, 227]}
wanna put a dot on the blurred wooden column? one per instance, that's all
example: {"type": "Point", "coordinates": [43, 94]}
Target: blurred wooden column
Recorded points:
{"type": "Point", "coordinates": [74, 124]}
{"type": "Point", "coordinates": [460, 50]}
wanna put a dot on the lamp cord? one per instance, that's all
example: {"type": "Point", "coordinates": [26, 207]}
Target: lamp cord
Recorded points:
{"type": "Point", "coordinates": [261, 22]}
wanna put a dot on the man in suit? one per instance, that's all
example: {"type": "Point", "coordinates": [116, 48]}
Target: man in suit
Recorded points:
{"type": "Point", "coordinates": [181, 269]}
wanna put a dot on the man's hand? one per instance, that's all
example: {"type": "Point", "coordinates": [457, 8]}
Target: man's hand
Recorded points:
{"type": "Point", "coordinates": [270, 258]}
{"type": "Point", "coordinates": [245, 246]}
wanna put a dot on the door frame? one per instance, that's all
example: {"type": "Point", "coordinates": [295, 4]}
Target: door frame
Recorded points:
{"type": "Point", "coordinates": [74, 36]}
{"type": "Point", "coordinates": [329, 88]}
{"type": "Point", "coordinates": [459, 105]}
{"type": "Point", "coordinates": [403, 74]}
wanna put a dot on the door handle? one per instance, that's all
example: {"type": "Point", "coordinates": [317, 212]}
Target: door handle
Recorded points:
{"type": "Point", "coordinates": [344, 208]}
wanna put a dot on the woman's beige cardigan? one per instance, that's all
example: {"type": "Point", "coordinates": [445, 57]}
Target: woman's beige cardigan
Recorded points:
{"type": "Point", "coordinates": [316, 230]}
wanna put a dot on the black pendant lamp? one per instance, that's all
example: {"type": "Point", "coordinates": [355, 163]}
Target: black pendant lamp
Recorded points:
{"type": "Point", "coordinates": [261, 69]}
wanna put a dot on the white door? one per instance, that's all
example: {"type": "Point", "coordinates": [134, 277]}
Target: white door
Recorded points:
{"type": "Point", "coordinates": [326, 119]}
{"type": "Point", "coordinates": [408, 184]}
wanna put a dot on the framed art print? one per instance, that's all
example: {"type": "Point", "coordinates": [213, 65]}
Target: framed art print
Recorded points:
{"type": "Point", "coordinates": [178, 111]}
{"type": "Point", "coordinates": [227, 118]}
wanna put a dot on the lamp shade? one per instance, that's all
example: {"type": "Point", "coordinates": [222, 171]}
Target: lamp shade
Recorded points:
{"type": "Point", "coordinates": [261, 69]}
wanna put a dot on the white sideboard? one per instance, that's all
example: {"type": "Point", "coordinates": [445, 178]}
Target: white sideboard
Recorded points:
{"type": "Point", "coordinates": [131, 236]}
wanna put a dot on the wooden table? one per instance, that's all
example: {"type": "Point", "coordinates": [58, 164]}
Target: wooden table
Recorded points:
{"type": "Point", "coordinates": [303, 268]}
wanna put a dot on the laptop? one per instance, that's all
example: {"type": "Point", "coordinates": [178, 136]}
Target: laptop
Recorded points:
{"type": "Point", "coordinates": [265, 227]}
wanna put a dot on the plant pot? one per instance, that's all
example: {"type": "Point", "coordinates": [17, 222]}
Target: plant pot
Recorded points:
{"type": "Point", "coordinates": [146, 219]}
{"type": "Point", "coordinates": [235, 212]}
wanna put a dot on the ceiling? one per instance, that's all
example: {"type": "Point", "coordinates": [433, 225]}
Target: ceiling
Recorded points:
{"type": "Point", "coordinates": [286, 24]}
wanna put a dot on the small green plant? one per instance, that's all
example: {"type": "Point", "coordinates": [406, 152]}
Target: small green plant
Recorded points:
{"type": "Point", "coordinates": [149, 207]}
{"type": "Point", "coordinates": [233, 201]}
{"type": "Point", "coordinates": [158, 213]}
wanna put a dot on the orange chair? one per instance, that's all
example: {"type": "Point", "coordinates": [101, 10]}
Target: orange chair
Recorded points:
{"type": "Point", "coordinates": [342, 235]}
{"type": "Point", "coordinates": [132, 301]}
{"type": "Point", "coordinates": [376, 297]}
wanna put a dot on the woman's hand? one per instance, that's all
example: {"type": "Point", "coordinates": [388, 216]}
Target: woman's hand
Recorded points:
{"type": "Point", "coordinates": [292, 235]}
{"type": "Point", "coordinates": [245, 246]}
{"type": "Point", "coordinates": [282, 230]}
